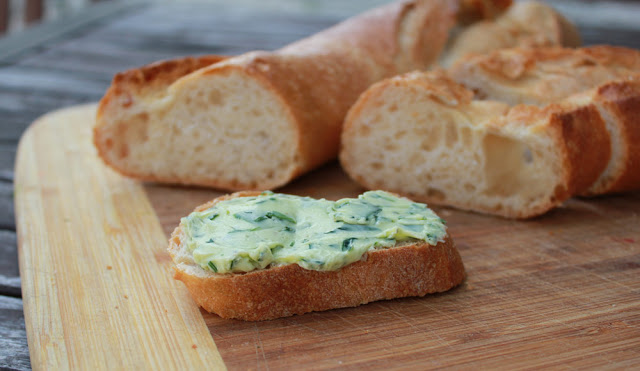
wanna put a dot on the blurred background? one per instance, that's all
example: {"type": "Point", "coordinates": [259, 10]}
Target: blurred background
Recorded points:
{"type": "Point", "coordinates": [17, 15]}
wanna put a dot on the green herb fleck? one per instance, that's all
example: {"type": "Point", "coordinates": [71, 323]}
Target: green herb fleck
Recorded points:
{"type": "Point", "coordinates": [347, 244]}
{"type": "Point", "coordinates": [356, 228]}
{"type": "Point", "coordinates": [213, 267]}
{"type": "Point", "coordinates": [274, 214]}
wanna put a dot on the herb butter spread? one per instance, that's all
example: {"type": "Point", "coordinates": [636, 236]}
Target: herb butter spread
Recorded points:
{"type": "Point", "coordinates": [247, 233]}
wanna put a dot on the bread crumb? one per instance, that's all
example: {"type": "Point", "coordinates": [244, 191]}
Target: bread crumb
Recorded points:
{"type": "Point", "coordinates": [194, 346]}
{"type": "Point", "coordinates": [116, 307]}
{"type": "Point", "coordinates": [126, 297]}
{"type": "Point", "coordinates": [109, 267]}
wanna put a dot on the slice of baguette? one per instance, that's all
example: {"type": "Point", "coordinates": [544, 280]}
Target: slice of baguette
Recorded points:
{"type": "Point", "coordinates": [605, 76]}
{"type": "Point", "coordinates": [619, 105]}
{"type": "Point", "coordinates": [258, 120]}
{"type": "Point", "coordinates": [543, 75]}
{"type": "Point", "coordinates": [524, 24]}
{"type": "Point", "coordinates": [422, 135]}
{"type": "Point", "coordinates": [281, 291]}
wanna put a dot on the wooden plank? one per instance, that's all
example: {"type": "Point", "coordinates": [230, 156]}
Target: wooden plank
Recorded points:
{"type": "Point", "coordinates": [14, 46]}
{"type": "Point", "coordinates": [14, 354]}
{"type": "Point", "coordinates": [7, 218]}
{"type": "Point", "coordinates": [7, 160]}
{"type": "Point", "coordinates": [97, 287]}
{"type": "Point", "coordinates": [9, 275]}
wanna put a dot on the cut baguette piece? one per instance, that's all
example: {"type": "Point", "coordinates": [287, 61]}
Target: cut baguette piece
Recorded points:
{"type": "Point", "coordinates": [605, 76]}
{"type": "Point", "coordinates": [258, 120]}
{"type": "Point", "coordinates": [422, 135]}
{"type": "Point", "coordinates": [524, 24]}
{"type": "Point", "coordinates": [406, 270]}
{"type": "Point", "coordinates": [619, 105]}
{"type": "Point", "coordinates": [543, 75]}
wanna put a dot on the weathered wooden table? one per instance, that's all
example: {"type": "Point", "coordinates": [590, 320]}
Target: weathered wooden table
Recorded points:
{"type": "Point", "coordinates": [72, 61]}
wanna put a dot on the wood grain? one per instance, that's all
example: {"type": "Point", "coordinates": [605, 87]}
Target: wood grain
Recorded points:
{"type": "Point", "coordinates": [561, 290]}
{"type": "Point", "coordinates": [97, 286]}
{"type": "Point", "coordinates": [13, 334]}
{"type": "Point", "coordinates": [72, 61]}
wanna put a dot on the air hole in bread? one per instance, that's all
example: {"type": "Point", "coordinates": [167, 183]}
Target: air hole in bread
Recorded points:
{"type": "Point", "coordinates": [466, 135]}
{"type": "Point", "coordinates": [393, 107]}
{"type": "Point", "coordinates": [428, 144]}
{"type": "Point", "coordinates": [376, 165]}
{"type": "Point", "coordinates": [527, 156]}
{"type": "Point", "coordinates": [198, 148]}
{"type": "Point", "coordinates": [215, 97]}
{"type": "Point", "coordinates": [504, 169]}
{"type": "Point", "coordinates": [400, 134]}
{"type": "Point", "coordinates": [469, 187]}
{"type": "Point", "coordinates": [364, 130]}
{"type": "Point", "coordinates": [435, 193]}
{"type": "Point", "coordinates": [123, 151]}
{"type": "Point", "coordinates": [451, 135]}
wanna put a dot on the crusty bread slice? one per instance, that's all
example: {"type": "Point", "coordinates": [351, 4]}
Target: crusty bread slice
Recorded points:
{"type": "Point", "coordinates": [281, 291]}
{"type": "Point", "coordinates": [543, 75]}
{"type": "Point", "coordinates": [524, 24]}
{"type": "Point", "coordinates": [619, 105]}
{"type": "Point", "coordinates": [258, 120]}
{"type": "Point", "coordinates": [422, 135]}
{"type": "Point", "coordinates": [606, 76]}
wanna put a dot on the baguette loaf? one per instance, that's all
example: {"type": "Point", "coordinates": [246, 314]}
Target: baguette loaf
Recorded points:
{"type": "Point", "coordinates": [423, 135]}
{"type": "Point", "coordinates": [524, 24]}
{"type": "Point", "coordinates": [605, 76]}
{"type": "Point", "coordinates": [258, 120]}
{"type": "Point", "coordinates": [413, 269]}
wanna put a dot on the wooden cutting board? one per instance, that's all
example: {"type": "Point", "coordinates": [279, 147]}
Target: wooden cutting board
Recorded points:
{"type": "Point", "coordinates": [562, 290]}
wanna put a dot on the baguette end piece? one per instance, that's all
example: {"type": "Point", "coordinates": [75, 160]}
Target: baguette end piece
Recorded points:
{"type": "Point", "coordinates": [221, 126]}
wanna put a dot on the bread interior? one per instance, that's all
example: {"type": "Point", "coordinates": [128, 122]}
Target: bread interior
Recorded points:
{"type": "Point", "coordinates": [226, 129]}
{"type": "Point", "coordinates": [430, 150]}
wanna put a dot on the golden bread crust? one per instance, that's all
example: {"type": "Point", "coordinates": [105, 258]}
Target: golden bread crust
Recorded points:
{"type": "Point", "coordinates": [604, 77]}
{"type": "Point", "coordinates": [281, 291]}
{"type": "Point", "coordinates": [620, 101]}
{"type": "Point", "coordinates": [526, 24]}
{"type": "Point", "coordinates": [590, 65]}
{"type": "Point", "coordinates": [473, 10]}
{"type": "Point", "coordinates": [315, 80]}
{"type": "Point", "coordinates": [576, 133]}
